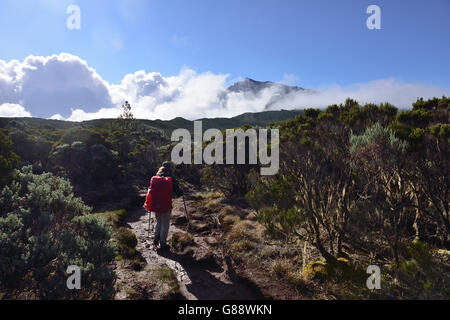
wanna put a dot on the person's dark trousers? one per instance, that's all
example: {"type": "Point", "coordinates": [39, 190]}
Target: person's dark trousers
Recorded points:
{"type": "Point", "coordinates": [162, 227]}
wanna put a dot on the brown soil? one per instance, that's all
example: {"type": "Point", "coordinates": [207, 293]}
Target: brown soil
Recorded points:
{"type": "Point", "coordinates": [201, 267]}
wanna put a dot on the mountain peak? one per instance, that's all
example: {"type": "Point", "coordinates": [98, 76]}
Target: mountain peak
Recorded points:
{"type": "Point", "coordinates": [249, 85]}
{"type": "Point", "coordinates": [254, 87]}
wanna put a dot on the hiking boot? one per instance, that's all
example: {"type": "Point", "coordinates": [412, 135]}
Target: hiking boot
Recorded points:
{"type": "Point", "coordinates": [165, 247]}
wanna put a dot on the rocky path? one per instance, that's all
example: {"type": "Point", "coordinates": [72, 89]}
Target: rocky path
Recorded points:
{"type": "Point", "coordinates": [201, 271]}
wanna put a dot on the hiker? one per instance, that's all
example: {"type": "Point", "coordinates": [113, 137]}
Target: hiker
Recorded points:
{"type": "Point", "coordinates": [163, 186]}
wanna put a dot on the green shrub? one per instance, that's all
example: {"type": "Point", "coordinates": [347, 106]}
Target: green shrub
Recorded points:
{"type": "Point", "coordinates": [421, 273]}
{"type": "Point", "coordinates": [316, 270]}
{"type": "Point", "coordinates": [440, 131]}
{"type": "Point", "coordinates": [376, 133]}
{"type": "Point", "coordinates": [127, 243]}
{"type": "Point", "coordinates": [8, 159]}
{"type": "Point", "coordinates": [338, 271]}
{"type": "Point", "coordinates": [43, 230]}
{"type": "Point", "coordinates": [114, 218]}
{"type": "Point", "coordinates": [120, 216]}
{"type": "Point", "coordinates": [169, 276]}
{"type": "Point", "coordinates": [418, 117]}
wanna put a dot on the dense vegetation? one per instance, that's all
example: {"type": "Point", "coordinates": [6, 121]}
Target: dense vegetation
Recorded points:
{"type": "Point", "coordinates": [104, 159]}
{"type": "Point", "coordinates": [353, 174]}
{"type": "Point", "coordinates": [103, 164]}
{"type": "Point", "coordinates": [367, 180]}
{"type": "Point", "coordinates": [361, 184]}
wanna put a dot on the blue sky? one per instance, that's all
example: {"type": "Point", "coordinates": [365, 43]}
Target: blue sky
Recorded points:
{"type": "Point", "coordinates": [308, 43]}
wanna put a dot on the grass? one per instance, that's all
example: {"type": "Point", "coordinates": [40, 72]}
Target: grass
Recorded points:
{"type": "Point", "coordinates": [242, 238]}
{"type": "Point", "coordinates": [243, 230]}
{"type": "Point", "coordinates": [229, 221]}
{"type": "Point", "coordinates": [295, 279]}
{"type": "Point", "coordinates": [127, 242]}
{"type": "Point", "coordinates": [226, 211]}
{"type": "Point", "coordinates": [132, 294]}
{"type": "Point", "coordinates": [285, 269]}
{"type": "Point", "coordinates": [213, 204]}
{"type": "Point", "coordinates": [116, 217]}
{"type": "Point", "coordinates": [242, 246]}
{"type": "Point", "coordinates": [281, 267]}
{"type": "Point", "coordinates": [181, 240]}
{"type": "Point", "coordinates": [316, 270]}
{"type": "Point", "coordinates": [208, 195]}
{"type": "Point", "coordinates": [124, 237]}
{"type": "Point", "coordinates": [168, 276]}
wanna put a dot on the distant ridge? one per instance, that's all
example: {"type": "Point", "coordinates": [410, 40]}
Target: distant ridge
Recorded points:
{"type": "Point", "coordinates": [261, 119]}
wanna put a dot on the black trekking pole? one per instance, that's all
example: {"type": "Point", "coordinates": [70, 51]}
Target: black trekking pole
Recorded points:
{"type": "Point", "coordinates": [149, 220]}
{"type": "Point", "coordinates": [187, 215]}
{"type": "Point", "coordinates": [149, 217]}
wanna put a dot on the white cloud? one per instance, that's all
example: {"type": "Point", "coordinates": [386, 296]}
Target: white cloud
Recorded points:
{"type": "Point", "coordinates": [12, 110]}
{"type": "Point", "coordinates": [81, 115]}
{"type": "Point", "coordinates": [397, 92]}
{"type": "Point", "coordinates": [57, 117]}
{"type": "Point", "coordinates": [53, 84]}
{"type": "Point", "coordinates": [65, 87]}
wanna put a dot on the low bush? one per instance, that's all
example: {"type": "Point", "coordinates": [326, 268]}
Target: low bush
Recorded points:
{"type": "Point", "coordinates": [127, 242]}
{"type": "Point", "coordinates": [181, 240]}
{"type": "Point", "coordinates": [168, 276]}
{"type": "Point", "coordinates": [43, 230]}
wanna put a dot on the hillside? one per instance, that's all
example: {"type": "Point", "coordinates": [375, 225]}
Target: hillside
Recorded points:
{"type": "Point", "coordinates": [260, 119]}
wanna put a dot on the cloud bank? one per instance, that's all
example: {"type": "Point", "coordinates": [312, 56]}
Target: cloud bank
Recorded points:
{"type": "Point", "coordinates": [13, 110]}
{"type": "Point", "coordinates": [54, 84]}
{"type": "Point", "coordinates": [64, 87]}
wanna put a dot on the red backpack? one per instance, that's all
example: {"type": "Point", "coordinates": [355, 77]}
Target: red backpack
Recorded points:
{"type": "Point", "coordinates": [159, 195]}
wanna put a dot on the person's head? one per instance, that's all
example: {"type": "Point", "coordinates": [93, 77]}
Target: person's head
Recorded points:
{"type": "Point", "coordinates": [167, 164]}
{"type": "Point", "coordinates": [166, 167]}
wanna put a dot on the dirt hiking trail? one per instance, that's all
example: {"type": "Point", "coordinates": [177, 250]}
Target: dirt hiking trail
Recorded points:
{"type": "Point", "coordinates": [202, 271]}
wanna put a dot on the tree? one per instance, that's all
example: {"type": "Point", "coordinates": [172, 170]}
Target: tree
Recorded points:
{"type": "Point", "coordinates": [434, 178]}
{"type": "Point", "coordinates": [312, 197]}
{"type": "Point", "coordinates": [91, 169]}
{"type": "Point", "coordinates": [126, 118]}
{"type": "Point", "coordinates": [382, 159]}
{"type": "Point", "coordinates": [232, 179]}
{"type": "Point", "coordinates": [427, 132]}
